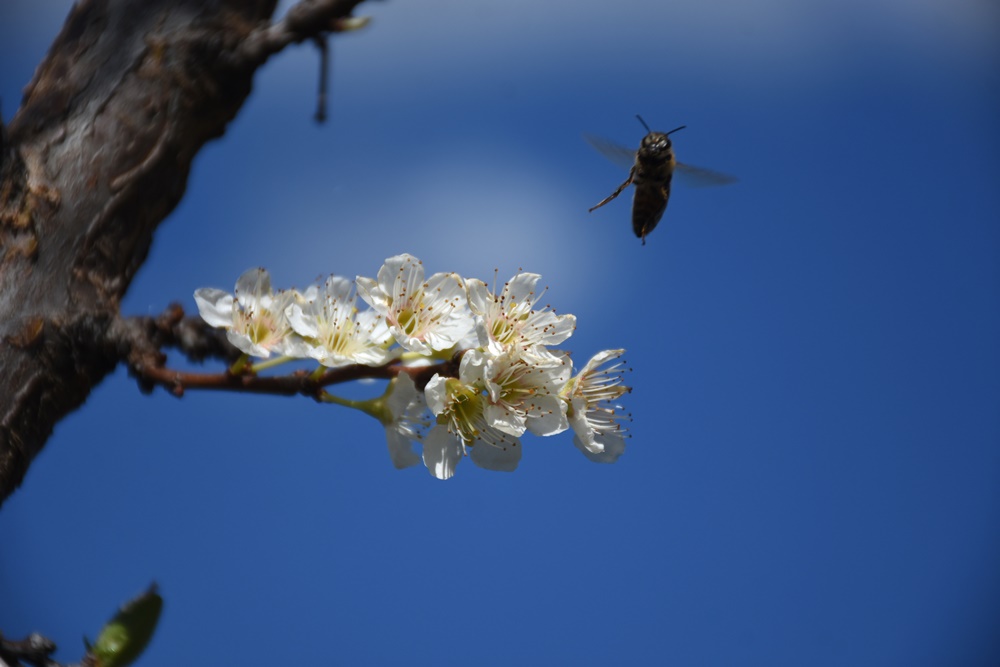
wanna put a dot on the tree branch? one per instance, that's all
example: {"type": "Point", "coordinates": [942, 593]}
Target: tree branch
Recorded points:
{"type": "Point", "coordinates": [305, 20]}
{"type": "Point", "coordinates": [140, 342]}
{"type": "Point", "coordinates": [33, 649]}
{"type": "Point", "coordinates": [95, 158]}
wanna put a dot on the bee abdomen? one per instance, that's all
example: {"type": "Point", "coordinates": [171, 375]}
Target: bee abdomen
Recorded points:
{"type": "Point", "coordinates": [648, 205]}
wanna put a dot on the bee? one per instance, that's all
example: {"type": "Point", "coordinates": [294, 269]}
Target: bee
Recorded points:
{"type": "Point", "coordinates": [651, 169]}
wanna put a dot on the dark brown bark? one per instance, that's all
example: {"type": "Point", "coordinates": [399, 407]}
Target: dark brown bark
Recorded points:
{"type": "Point", "coordinates": [96, 157]}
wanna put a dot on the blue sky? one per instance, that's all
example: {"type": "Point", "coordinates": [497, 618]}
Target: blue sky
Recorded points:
{"type": "Point", "coordinates": [814, 470]}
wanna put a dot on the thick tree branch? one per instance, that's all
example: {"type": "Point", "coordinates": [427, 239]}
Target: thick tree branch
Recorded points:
{"type": "Point", "coordinates": [96, 157]}
{"type": "Point", "coordinates": [172, 329]}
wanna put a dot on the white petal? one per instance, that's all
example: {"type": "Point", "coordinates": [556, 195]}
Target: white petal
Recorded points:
{"type": "Point", "coordinates": [307, 296]}
{"type": "Point", "coordinates": [581, 427]}
{"type": "Point", "coordinates": [244, 344]}
{"type": "Point", "coordinates": [447, 334]}
{"type": "Point", "coordinates": [483, 336]}
{"type": "Point", "coordinates": [373, 323]}
{"type": "Point", "coordinates": [252, 286]}
{"type": "Point", "coordinates": [215, 306]}
{"type": "Point", "coordinates": [298, 348]}
{"type": "Point", "coordinates": [372, 356]}
{"type": "Point", "coordinates": [599, 359]}
{"type": "Point", "coordinates": [369, 291]}
{"type": "Point", "coordinates": [493, 390]}
{"type": "Point", "coordinates": [472, 367]}
{"type": "Point", "coordinates": [403, 393]}
{"type": "Point", "coordinates": [480, 297]}
{"type": "Point", "coordinates": [442, 452]}
{"type": "Point", "coordinates": [400, 449]}
{"type": "Point", "coordinates": [436, 393]}
{"type": "Point", "coordinates": [520, 290]}
{"type": "Point", "coordinates": [557, 328]}
{"type": "Point", "coordinates": [400, 270]}
{"type": "Point", "coordinates": [410, 343]}
{"type": "Point", "coordinates": [612, 446]}
{"type": "Point", "coordinates": [503, 458]}
{"type": "Point", "coordinates": [447, 286]}
{"type": "Point", "coordinates": [339, 288]}
{"type": "Point", "coordinates": [504, 420]}
{"type": "Point", "coordinates": [549, 416]}
{"type": "Point", "coordinates": [467, 342]}
{"type": "Point", "coordinates": [302, 323]}
{"type": "Point", "coordinates": [557, 365]}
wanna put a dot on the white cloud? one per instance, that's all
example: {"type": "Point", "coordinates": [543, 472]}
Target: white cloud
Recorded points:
{"type": "Point", "coordinates": [455, 213]}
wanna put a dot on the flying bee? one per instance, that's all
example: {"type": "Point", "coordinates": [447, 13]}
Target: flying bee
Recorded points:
{"type": "Point", "coordinates": [651, 169]}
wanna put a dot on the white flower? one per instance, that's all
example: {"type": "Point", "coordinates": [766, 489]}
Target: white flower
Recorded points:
{"type": "Point", "coordinates": [424, 317]}
{"type": "Point", "coordinates": [405, 407]}
{"type": "Point", "coordinates": [593, 415]}
{"type": "Point", "coordinates": [255, 320]}
{"type": "Point", "coordinates": [333, 331]}
{"type": "Point", "coordinates": [460, 410]}
{"type": "Point", "coordinates": [509, 320]}
{"type": "Point", "coordinates": [520, 394]}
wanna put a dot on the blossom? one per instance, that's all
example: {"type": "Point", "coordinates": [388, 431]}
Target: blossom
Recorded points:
{"type": "Point", "coordinates": [255, 319]}
{"type": "Point", "coordinates": [509, 380]}
{"type": "Point", "coordinates": [424, 317]}
{"type": "Point", "coordinates": [520, 393]}
{"type": "Point", "coordinates": [593, 415]}
{"type": "Point", "coordinates": [460, 409]}
{"type": "Point", "coordinates": [509, 320]}
{"type": "Point", "coordinates": [334, 332]}
{"type": "Point", "coordinates": [404, 408]}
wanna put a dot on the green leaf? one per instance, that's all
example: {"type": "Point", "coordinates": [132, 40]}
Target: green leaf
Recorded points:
{"type": "Point", "coordinates": [124, 637]}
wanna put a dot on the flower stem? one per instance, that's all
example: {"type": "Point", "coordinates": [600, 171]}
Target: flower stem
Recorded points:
{"type": "Point", "coordinates": [327, 397]}
{"type": "Point", "coordinates": [270, 363]}
{"type": "Point", "coordinates": [376, 407]}
{"type": "Point", "coordinates": [239, 364]}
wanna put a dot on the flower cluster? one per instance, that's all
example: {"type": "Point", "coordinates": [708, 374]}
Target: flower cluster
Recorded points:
{"type": "Point", "coordinates": [510, 379]}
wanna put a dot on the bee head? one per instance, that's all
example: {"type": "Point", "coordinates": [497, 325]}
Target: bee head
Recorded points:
{"type": "Point", "coordinates": [656, 142]}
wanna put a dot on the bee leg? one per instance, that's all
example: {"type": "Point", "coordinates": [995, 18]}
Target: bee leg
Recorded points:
{"type": "Point", "coordinates": [628, 181]}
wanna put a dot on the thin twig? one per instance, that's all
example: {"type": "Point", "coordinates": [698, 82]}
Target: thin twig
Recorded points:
{"type": "Point", "coordinates": [33, 649]}
{"type": "Point", "coordinates": [139, 341]}
{"type": "Point", "coordinates": [324, 77]}
{"type": "Point", "coordinates": [304, 20]}
{"type": "Point", "coordinates": [297, 383]}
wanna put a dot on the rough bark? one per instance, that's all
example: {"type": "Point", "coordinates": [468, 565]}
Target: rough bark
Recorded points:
{"type": "Point", "coordinates": [95, 158]}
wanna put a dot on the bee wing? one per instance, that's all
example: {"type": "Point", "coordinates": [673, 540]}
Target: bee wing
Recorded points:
{"type": "Point", "coordinates": [624, 157]}
{"type": "Point", "coordinates": [700, 177]}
